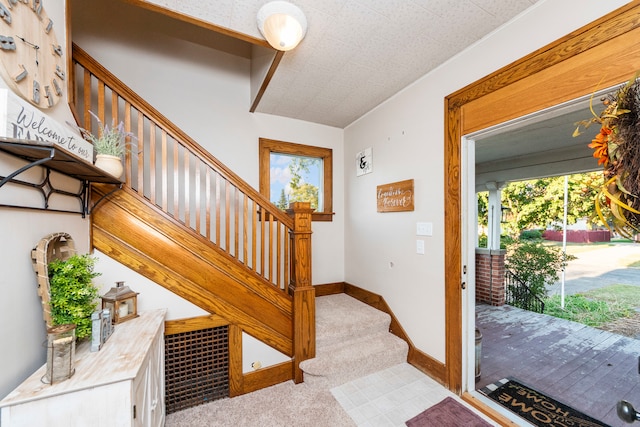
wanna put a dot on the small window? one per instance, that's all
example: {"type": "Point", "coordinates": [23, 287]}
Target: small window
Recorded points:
{"type": "Point", "coordinates": [297, 173]}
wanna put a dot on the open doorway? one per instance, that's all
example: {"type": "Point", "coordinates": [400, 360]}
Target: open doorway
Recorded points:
{"type": "Point", "coordinates": [565, 70]}
{"type": "Point", "coordinates": [553, 356]}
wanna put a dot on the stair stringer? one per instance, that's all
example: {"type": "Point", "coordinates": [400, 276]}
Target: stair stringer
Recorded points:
{"type": "Point", "coordinates": [138, 235]}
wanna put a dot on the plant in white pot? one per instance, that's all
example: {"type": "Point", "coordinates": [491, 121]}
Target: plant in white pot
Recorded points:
{"type": "Point", "coordinates": [109, 145]}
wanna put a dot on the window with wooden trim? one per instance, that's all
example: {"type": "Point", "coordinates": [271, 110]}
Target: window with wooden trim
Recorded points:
{"type": "Point", "coordinates": [297, 173]}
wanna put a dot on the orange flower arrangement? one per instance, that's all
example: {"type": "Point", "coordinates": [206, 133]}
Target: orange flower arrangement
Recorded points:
{"type": "Point", "coordinates": [601, 147]}
{"type": "Point", "coordinates": [617, 148]}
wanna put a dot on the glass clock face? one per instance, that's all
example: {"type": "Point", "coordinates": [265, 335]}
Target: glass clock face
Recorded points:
{"type": "Point", "coordinates": [31, 59]}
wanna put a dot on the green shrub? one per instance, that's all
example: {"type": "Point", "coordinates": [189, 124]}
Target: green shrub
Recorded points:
{"type": "Point", "coordinates": [73, 297]}
{"type": "Point", "coordinates": [535, 264]}
{"type": "Point", "coordinates": [531, 235]}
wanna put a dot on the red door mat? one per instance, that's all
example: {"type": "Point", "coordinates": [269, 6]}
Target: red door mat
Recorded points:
{"type": "Point", "coordinates": [447, 413]}
{"type": "Point", "coordinates": [535, 407]}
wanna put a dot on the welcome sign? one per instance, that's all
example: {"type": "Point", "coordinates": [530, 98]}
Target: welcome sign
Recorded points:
{"type": "Point", "coordinates": [538, 408]}
{"type": "Point", "coordinates": [21, 120]}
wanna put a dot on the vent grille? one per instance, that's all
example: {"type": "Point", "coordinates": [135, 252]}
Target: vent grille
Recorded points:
{"type": "Point", "coordinates": [196, 367]}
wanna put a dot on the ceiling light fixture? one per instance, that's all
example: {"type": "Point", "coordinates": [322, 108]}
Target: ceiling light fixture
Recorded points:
{"type": "Point", "coordinates": [282, 24]}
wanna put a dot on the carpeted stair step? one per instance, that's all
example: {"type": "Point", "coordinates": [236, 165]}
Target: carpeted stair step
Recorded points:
{"type": "Point", "coordinates": [340, 318]}
{"type": "Point", "coordinates": [352, 341]}
{"type": "Point", "coordinates": [337, 364]}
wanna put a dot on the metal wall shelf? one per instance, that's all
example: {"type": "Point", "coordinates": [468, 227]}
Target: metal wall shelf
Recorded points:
{"type": "Point", "coordinates": [52, 157]}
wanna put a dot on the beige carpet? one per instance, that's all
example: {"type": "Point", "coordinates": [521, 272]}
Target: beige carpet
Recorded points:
{"type": "Point", "coordinates": [353, 340]}
{"type": "Point", "coordinates": [285, 404]}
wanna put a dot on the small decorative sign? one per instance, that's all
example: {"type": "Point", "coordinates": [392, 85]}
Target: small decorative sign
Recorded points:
{"type": "Point", "coordinates": [395, 197]}
{"type": "Point", "coordinates": [21, 120]}
{"type": "Point", "coordinates": [364, 162]}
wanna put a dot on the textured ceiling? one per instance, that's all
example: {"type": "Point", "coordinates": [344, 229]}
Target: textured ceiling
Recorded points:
{"type": "Point", "coordinates": [357, 53]}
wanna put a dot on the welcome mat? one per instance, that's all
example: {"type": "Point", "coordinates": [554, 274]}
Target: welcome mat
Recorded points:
{"type": "Point", "coordinates": [535, 407]}
{"type": "Point", "coordinates": [447, 413]}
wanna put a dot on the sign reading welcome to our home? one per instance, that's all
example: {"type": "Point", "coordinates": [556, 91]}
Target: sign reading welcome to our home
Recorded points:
{"type": "Point", "coordinates": [20, 120]}
{"type": "Point", "coordinates": [395, 197]}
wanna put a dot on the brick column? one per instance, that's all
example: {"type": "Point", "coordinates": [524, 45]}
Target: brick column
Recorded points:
{"type": "Point", "coordinates": [490, 271]}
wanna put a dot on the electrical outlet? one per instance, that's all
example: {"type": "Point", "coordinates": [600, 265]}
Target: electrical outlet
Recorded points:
{"type": "Point", "coordinates": [420, 247]}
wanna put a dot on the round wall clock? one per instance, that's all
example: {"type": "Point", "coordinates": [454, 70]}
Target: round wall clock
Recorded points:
{"type": "Point", "coordinates": [30, 57]}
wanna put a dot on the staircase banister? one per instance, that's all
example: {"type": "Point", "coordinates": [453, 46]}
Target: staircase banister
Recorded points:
{"type": "Point", "coordinates": [89, 63]}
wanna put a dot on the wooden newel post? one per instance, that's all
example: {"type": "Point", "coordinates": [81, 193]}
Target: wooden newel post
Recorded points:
{"type": "Point", "coordinates": [301, 289]}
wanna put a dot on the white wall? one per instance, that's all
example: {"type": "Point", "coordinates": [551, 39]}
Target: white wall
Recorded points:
{"type": "Point", "coordinates": [207, 94]}
{"type": "Point", "coordinates": [407, 134]}
{"type": "Point", "coordinates": [22, 329]}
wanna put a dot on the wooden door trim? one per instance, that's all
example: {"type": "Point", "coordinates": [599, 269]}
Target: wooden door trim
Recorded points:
{"type": "Point", "coordinates": [572, 66]}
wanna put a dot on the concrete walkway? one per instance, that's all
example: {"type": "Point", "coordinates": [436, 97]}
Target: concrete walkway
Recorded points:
{"type": "Point", "coordinates": [600, 267]}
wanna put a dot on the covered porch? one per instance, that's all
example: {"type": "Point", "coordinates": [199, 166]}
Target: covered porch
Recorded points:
{"type": "Point", "coordinates": [583, 367]}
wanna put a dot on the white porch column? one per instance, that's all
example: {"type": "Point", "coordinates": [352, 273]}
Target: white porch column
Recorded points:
{"type": "Point", "coordinates": [495, 214]}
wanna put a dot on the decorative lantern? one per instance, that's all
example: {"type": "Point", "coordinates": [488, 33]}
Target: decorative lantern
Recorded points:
{"type": "Point", "coordinates": [61, 350]}
{"type": "Point", "coordinates": [121, 302]}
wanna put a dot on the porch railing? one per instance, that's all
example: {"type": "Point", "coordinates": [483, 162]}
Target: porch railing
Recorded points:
{"type": "Point", "coordinates": [518, 294]}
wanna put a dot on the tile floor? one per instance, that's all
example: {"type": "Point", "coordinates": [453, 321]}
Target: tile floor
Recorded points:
{"type": "Point", "coordinates": [391, 397]}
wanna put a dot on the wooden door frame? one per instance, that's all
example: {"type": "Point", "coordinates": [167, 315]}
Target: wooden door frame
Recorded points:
{"type": "Point", "coordinates": [604, 53]}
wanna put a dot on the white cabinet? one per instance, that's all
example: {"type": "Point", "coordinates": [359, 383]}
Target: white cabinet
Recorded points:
{"type": "Point", "coordinates": [120, 385]}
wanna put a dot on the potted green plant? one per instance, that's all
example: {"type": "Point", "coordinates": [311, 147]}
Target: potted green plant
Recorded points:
{"type": "Point", "coordinates": [109, 145]}
{"type": "Point", "coordinates": [73, 296]}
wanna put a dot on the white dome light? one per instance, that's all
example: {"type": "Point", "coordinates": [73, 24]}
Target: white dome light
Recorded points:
{"type": "Point", "coordinates": [282, 24]}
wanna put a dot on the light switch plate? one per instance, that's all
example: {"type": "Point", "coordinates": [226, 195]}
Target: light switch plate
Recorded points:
{"type": "Point", "coordinates": [424, 229]}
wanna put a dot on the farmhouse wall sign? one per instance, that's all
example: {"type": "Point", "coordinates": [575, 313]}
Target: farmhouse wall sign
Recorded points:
{"type": "Point", "coordinates": [395, 197]}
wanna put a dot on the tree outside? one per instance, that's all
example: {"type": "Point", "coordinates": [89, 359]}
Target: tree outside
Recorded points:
{"type": "Point", "coordinates": [297, 180]}
{"type": "Point", "coordinates": [539, 203]}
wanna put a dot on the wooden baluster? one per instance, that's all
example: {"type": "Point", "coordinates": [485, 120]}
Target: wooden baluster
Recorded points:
{"type": "Point", "coordinates": [270, 250]}
{"type": "Point", "coordinates": [187, 191]}
{"type": "Point", "coordinates": [197, 190]}
{"type": "Point", "coordinates": [245, 220]}
{"type": "Point", "coordinates": [278, 251]}
{"type": "Point", "coordinates": [152, 163]}
{"type": "Point", "coordinates": [227, 217]}
{"type": "Point", "coordinates": [130, 144]}
{"type": "Point", "coordinates": [141, 148]}
{"type": "Point", "coordinates": [176, 180]}
{"type": "Point", "coordinates": [263, 220]}
{"type": "Point", "coordinates": [165, 167]}
{"type": "Point", "coordinates": [287, 257]}
{"type": "Point", "coordinates": [87, 99]}
{"type": "Point", "coordinates": [100, 103]}
{"type": "Point", "coordinates": [236, 221]}
{"type": "Point", "coordinates": [207, 195]}
{"type": "Point", "coordinates": [254, 233]}
{"type": "Point", "coordinates": [114, 110]}
{"type": "Point", "coordinates": [300, 288]}
{"type": "Point", "coordinates": [217, 241]}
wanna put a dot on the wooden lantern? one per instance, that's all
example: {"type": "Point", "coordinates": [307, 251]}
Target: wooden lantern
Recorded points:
{"type": "Point", "coordinates": [122, 302]}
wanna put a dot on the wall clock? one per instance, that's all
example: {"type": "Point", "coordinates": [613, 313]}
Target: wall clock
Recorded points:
{"type": "Point", "coordinates": [30, 57]}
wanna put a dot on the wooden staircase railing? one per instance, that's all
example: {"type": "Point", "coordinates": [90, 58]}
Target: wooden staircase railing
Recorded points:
{"type": "Point", "coordinates": [169, 170]}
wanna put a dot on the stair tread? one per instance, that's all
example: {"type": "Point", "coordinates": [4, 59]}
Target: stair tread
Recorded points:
{"type": "Point", "coordinates": [350, 356]}
{"type": "Point", "coordinates": [340, 316]}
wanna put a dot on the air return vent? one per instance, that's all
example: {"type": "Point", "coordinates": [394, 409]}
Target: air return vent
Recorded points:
{"type": "Point", "coordinates": [196, 367]}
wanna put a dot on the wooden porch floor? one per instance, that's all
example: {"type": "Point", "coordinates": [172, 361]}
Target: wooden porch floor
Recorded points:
{"type": "Point", "coordinates": [586, 368]}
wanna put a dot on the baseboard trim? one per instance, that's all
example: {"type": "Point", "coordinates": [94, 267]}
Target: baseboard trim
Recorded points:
{"type": "Point", "coordinates": [420, 360]}
{"type": "Point", "coordinates": [267, 377]}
